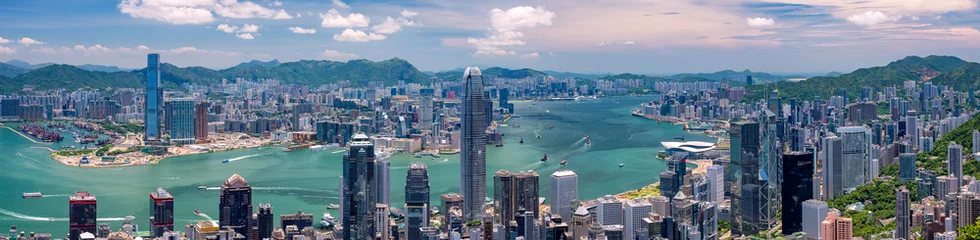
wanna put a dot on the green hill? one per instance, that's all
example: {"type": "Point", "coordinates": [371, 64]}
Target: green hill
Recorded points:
{"type": "Point", "coordinates": [323, 72]}
{"type": "Point", "coordinates": [8, 70]}
{"type": "Point", "coordinates": [962, 78]}
{"type": "Point", "coordinates": [70, 77]}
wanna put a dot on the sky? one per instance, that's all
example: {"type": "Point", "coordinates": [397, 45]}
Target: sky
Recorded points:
{"type": "Point", "coordinates": [584, 36]}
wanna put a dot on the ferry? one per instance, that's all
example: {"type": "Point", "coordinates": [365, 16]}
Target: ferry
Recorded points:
{"type": "Point", "coordinates": [545, 158]}
{"type": "Point", "coordinates": [225, 161]}
{"type": "Point", "coordinates": [32, 194]}
{"type": "Point", "coordinates": [621, 164]}
{"type": "Point", "coordinates": [522, 140]}
{"type": "Point", "coordinates": [327, 220]}
{"type": "Point", "coordinates": [129, 218]}
{"type": "Point", "coordinates": [202, 187]}
{"type": "Point", "coordinates": [333, 206]}
{"type": "Point", "coordinates": [317, 148]}
{"type": "Point", "coordinates": [585, 98]}
{"type": "Point", "coordinates": [197, 212]}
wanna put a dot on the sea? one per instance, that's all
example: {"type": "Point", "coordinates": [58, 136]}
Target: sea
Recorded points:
{"type": "Point", "coordinates": [308, 181]}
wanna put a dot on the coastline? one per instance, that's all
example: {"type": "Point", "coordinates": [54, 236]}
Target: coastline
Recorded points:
{"type": "Point", "coordinates": [22, 134]}
{"type": "Point", "coordinates": [223, 142]}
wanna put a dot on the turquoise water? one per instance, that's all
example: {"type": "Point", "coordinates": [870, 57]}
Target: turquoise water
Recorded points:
{"type": "Point", "coordinates": [309, 181]}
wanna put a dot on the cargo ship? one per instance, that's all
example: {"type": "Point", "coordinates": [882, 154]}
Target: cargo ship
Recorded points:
{"type": "Point", "coordinates": [32, 194]}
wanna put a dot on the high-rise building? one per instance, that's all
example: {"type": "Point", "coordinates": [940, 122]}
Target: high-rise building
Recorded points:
{"type": "Point", "coordinates": [976, 140]}
{"type": "Point", "coordinates": [835, 227]}
{"type": "Point", "coordinates": [154, 98]}
{"type": "Point", "coordinates": [857, 155]}
{"type": "Point", "coordinates": [967, 208]}
{"type": "Point", "coordinates": [383, 181]}
{"type": "Point", "coordinates": [609, 211]}
{"type": "Point", "coordinates": [161, 212]}
{"type": "Point", "coordinates": [743, 172]}
{"type": "Point", "coordinates": [716, 182]}
{"type": "Point", "coordinates": [912, 127]}
{"type": "Point", "coordinates": [81, 215]}
{"type": "Point", "coordinates": [473, 156]}
{"type": "Point", "coordinates": [906, 167]}
{"type": "Point", "coordinates": [201, 121]}
{"type": "Point", "coordinates": [381, 220]}
{"type": "Point", "coordinates": [235, 205]}
{"type": "Point", "coordinates": [265, 221]}
{"type": "Point", "coordinates": [425, 109]}
{"type": "Point", "coordinates": [514, 193]}
{"type": "Point", "coordinates": [564, 190]}
{"type": "Point", "coordinates": [416, 200]}
{"type": "Point", "coordinates": [833, 167]}
{"type": "Point", "coordinates": [180, 120]}
{"type": "Point", "coordinates": [903, 213]}
{"type": "Point", "coordinates": [634, 212]}
{"type": "Point", "coordinates": [797, 188]}
{"type": "Point", "coordinates": [360, 192]}
{"type": "Point", "coordinates": [814, 212]}
{"type": "Point", "coordinates": [955, 156]}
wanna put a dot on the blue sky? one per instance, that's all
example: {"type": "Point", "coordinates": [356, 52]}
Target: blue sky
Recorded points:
{"type": "Point", "coordinates": [640, 36]}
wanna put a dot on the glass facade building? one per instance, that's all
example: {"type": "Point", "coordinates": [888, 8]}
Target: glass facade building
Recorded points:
{"type": "Point", "coordinates": [473, 155]}
{"type": "Point", "coordinates": [154, 98]}
{"type": "Point", "coordinates": [235, 205]}
{"type": "Point", "coordinates": [162, 212]}
{"type": "Point", "coordinates": [360, 193]}
{"type": "Point", "coordinates": [180, 117]}
{"type": "Point", "coordinates": [416, 200]}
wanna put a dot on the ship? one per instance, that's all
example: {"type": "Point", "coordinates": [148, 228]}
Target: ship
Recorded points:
{"type": "Point", "coordinates": [130, 218]}
{"type": "Point", "coordinates": [202, 187]}
{"type": "Point", "coordinates": [32, 194]}
{"type": "Point", "coordinates": [545, 158]}
{"type": "Point", "coordinates": [327, 220]}
{"type": "Point", "coordinates": [564, 161]}
{"type": "Point", "coordinates": [225, 161]}
{"type": "Point", "coordinates": [333, 206]}
{"type": "Point", "coordinates": [522, 140]}
{"type": "Point", "coordinates": [317, 148]}
{"type": "Point", "coordinates": [621, 164]}
{"type": "Point", "coordinates": [588, 141]}
{"type": "Point", "coordinates": [197, 212]}
{"type": "Point", "coordinates": [585, 98]}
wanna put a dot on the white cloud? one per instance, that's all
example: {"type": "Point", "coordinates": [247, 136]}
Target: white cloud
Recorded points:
{"type": "Point", "coordinates": [29, 41]}
{"type": "Point", "coordinates": [351, 35]}
{"type": "Point", "coordinates": [302, 30]}
{"type": "Point", "coordinates": [629, 43]}
{"type": "Point", "coordinates": [333, 19]}
{"type": "Point", "coordinates": [408, 14]}
{"type": "Point", "coordinates": [505, 26]}
{"type": "Point", "coordinates": [760, 22]}
{"type": "Point", "coordinates": [276, 3]}
{"type": "Point", "coordinates": [601, 44]}
{"type": "Point", "coordinates": [246, 36]}
{"type": "Point", "coordinates": [871, 18]}
{"type": "Point", "coordinates": [4, 41]}
{"type": "Point", "coordinates": [337, 55]}
{"type": "Point", "coordinates": [197, 11]}
{"type": "Point", "coordinates": [227, 29]}
{"type": "Point", "coordinates": [6, 50]}
{"type": "Point", "coordinates": [249, 28]}
{"type": "Point", "coordinates": [340, 4]}
{"type": "Point", "coordinates": [530, 55]}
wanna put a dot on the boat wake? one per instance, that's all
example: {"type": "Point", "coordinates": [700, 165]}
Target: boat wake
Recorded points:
{"type": "Point", "coordinates": [244, 157]}
{"type": "Point", "coordinates": [205, 216]}
{"type": "Point", "coordinates": [338, 151]}
{"type": "Point", "coordinates": [299, 189]}
{"type": "Point", "coordinates": [55, 195]}
{"type": "Point", "coordinates": [214, 188]}
{"type": "Point", "coordinates": [49, 219]}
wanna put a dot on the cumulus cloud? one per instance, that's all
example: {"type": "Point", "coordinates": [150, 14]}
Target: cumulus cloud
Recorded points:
{"type": "Point", "coordinates": [760, 22]}
{"type": "Point", "coordinates": [392, 25]}
{"type": "Point", "coordinates": [871, 18]}
{"type": "Point", "coordinates": [246, 36]}
{"type": "Point", "coordinates": [227, 29]}
{"type": "Point", "coordinates": [98, 49]}
{"type": "Point", "coordinates": [250, 28]}
{"type": "Point", "coordinates": [530, 55]}
{"type": "Point", "coordinates": [29, 41]}
{"type": "Point", "coordinates": [276, 3]}
{"type": "Point", "coordinates": [4, 41]}
{"type": "Point", "coordinates": [300, 30]}
{"type": "Point", "coordinates": [505, 26]}
{"type": "Point", "coordinates": [351, 35]}
{"type": "Point", "coordinates": [340, 4]}
{"type": "Point", "coordinates": [406, 13]}
{"type": "Point", "coordinates": [333, 19]}
{"type": "Point", "coordinates": [6, 50]}
{"type": "Point", "coordinates": [197, 11]}
{"type": "Point", "coordinates": [337, 55]}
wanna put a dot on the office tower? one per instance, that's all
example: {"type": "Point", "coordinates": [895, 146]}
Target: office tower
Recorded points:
{"type": "Point", "coordinates": [748, 80]}
{"type": "Point", "coordinates": [564, 190]}
{"type": "Point", "coordinates": [201, 121]}
{"type": "Point", "coordinates": [955, 163]}
{"type": "Point", "coordinates": [473, 156]}
{"type": "Point", "coordinates": [81, 215]}
{"type": "Point", "coordinates": [775, 104]}
{"type": "Point", "coordinates": [912, 127]}
{"type": "Point", "coordinates": [797, 188]}
{"type": "Point", "coordinates": [382, 221]}
{"type": "Point", "coordinates": [814, 212]}
{"type": "Point", "coordinates": [906, 167]}
{"type": "Point", "coordinates": [235, 205]}
{"type": "Point", "coordinates": [743, 172]}
{"type": "Point", "coordinates": [976, 141]}
{"type": "Point", "coordinates": [360, 192]}
{"type": "Point", "coordinates": [609, 211]}
{"type": "Point", "coordinates": [161, 212]}
{"type": "Point", "coordinates": [416, 200]}
{"type": "Point", "coordinates": [515, 192]}
{"type": "Point", "coordinates": [425, 109]}
{"type": "Point", "coordinates": [635, 211]}
{"type": "Point", "coordinates": [967, 208]}
{"type": "Point", "coordinates": [180, 120]}
{"type": "Point", "coordinates": [581, 221]}
{"type": "Point", "coordinates": [525, 225]}
{"type": "Point", "coordinates": [833, 167]}
{"type": "Point", "coordinates": [716, 182]}
{"type": "Point", "coordinates": [835, 227]}
{"type": "Point", "coordinates": [669, 183]}
{"type": "Point", "coordinates": [299, 219]}
{"type": "Point", "coordinates": [340, 189]}
{"type": "Point", "coordinates": [857, 155]}
{"type": "Point", "coordinates": [450, 200]}
{"type": "Point", "coordinates": [154, 98]}
{"type": "Point", "coordinates": [383, 180]}
{"type": "Point", "coordinates": [265, 221]}
{"type": "Point", "coordinates": [903, 218]}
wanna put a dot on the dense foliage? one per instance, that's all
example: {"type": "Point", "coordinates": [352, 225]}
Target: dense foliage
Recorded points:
{"type": "Point", "coordinates": [8, 70]}
{"type": "Point", "coordinates": [879, 198]}
{"type": "Point", "coordinates": [961, 78]}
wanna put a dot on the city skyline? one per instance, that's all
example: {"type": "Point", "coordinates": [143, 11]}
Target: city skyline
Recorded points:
{"type": "Point", "coordinates": [780, 36]}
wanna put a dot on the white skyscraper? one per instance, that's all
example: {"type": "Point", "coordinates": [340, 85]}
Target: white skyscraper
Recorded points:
{"type": "Point", "coordinates": [955, 164]}
{"type": "Point", "coordinates": [609, 211]}
{"type": "Point", "coordinates": [635, 211]}
{"type": "Point", "coordinates": [564, 190]}
{"type": "Point", "coordinates": [716, 184]}
{"type": "Point", "coordinates": [383, 175]}
{"type": "Point", "coordinates": [814, 212]}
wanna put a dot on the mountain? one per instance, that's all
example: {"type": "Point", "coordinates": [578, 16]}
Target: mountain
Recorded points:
{"type": "Point", "coordinates": [456, 74]}
{"type": "Point", "coordinates": [312, 72]}
{"type": "Point", "coordinates": [269, 64]}
{"type": "Point", "coordinates": [961, 78]}
{"type": "Point", "coordinates": [576, 75]}
{"type": "Point", "coordinates": [102, 68]}
{"type": "Point", "coordinates": [10, 70]}
{"type": "Point", "coordinates": [26, 65]}
{"type": "Point", "coordinates": [730, 75]}
{"type": "Point", "coordinates": [68, 77]}
{"type": "Point", "coordinates": [895, 73]}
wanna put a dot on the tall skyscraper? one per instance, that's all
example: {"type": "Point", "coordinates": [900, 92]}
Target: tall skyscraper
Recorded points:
{"type": "Point", "coordinates": [742, 176]}
{"type": "Point", "coordinates": [797, 188]}
{"type": "Point", "coordinates": [265, 220]}
{"type": "Point", "coordinates": [154, 99]}
{"type": "Point", "coordinates": [180, 120]}
{"type": "Point", "coordinates": [814, 212]}
{"type": "Point", "coordinates": [81, 215]}
{"type": "Point", "coordinates": [955, 155]}
{"type": "Point", "coordinates": [857, 155]}
{"type": "Point", "coordinates": [634, 212]}
{"type": "Point", "coordinates": [716, 182]}
{"type": "Point", "coordinates": [201, 121]}
{"type": "Point", "coordinates": [906, 167]}
{"type": "Point", "coordinates": [425, 109]}
{"type": "Point", "coordinates": [360, 191]}
{"type": "Point", "coordinates": [416, 200]}
{"type": "Point", "coordinates": [903, 214]}
{"type": "Point", "coordinates": [383, 182]}
{"type": "Point", "coordinates": [609, 211]}
{"type": "Point", "coordinates": [833, 167]}
{"type": "Point", "coordinates": [514, 193]}
{"type": "Point", "coordinates": [161, 212]}
{"type": "Point", "coordinates": [564, 190]}
{"type": "Point", "coordinates": [473, 156]}
{"type": "Point", "coordinates": [235, 205]}
{"type": "Point", "coordinates": [912, 127]}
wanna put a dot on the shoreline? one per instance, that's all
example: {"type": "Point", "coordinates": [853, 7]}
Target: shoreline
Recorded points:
{"type": "Point", "coordinates": [74, 161]}
{"type": "Point", "coordinates": [23, 135]}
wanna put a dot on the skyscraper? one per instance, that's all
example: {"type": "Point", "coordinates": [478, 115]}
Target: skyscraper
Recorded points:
{"type": "Point", "coordinates": [833, 167]}
{"type": "Point", "coordinates": [81, 215]}
{"type": "Point", "coordinates": [235, 205]}
{"type": "Point", "coordinates": [201, 121]}
{"type": "Point", "coordinates": [906, 167]}
{"type": "Point", "coordinates": [425, 109]}
{"type": "Point", "coordinates": [903, 214]}
{"type": "Point", "coordinates": [416, 200]}
{"type": "Point", "coordinates": [473, 156]}
{"type": "Point", "coordinates": [742, 176]}
{"type": "Point", "coordinates": [161, 212]}
{"type": "Point", "coordinates": [955, 155]}
{"type": "Point", "coordinates": [154, 98]}
{"type": "Point", "coordinates": [835, 227]}
{"type": "Point", "coordinates": [180, 120]}
{"type": "Point", "coordinates": [564, 190]}
{"type": "Point", "coordinates": [857, 155]}
{"type": "Point", "coordinates": [797, 188]}
{"type": "Point", "coordinates": [814, 212]}
{"type": "Point", "coordinates": [265, 220]}
{"type": "Point", "coordinates": [383, 182]}
{"type": "Point", "coordinates": [716, 182]}
{"type": "Point", "coordinates": [634, 212]}
{"type": "Point", "coordinates": [360, 192]}
{"type": "Point", "coordinates": [514, 193]}
{"type": "Point", "coordinates": [609, 211]}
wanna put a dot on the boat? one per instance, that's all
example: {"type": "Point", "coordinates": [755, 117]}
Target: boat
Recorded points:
{"type": "Point", "coordinates": [197, 212]}
{"type": "Point", "coordinates": [545, 158]}
{"type": "Point", "coordinates": [551, 127]}
{"type": "Point", "coordinates": [620, 164]}
{"type": "Point", "coordinates": [333, 206]}
{"type": "Point", "coordinates": [225, 161]}
{"type": "Point", "coordinates": [32, 194]}
{"type": "Point", "coordinates": [522, 140]}
{"type": "Point", "coordinates": [564, 161]}
{"type": "Point", "coordinates": [585, 98]}
{"type": "Point", "coordinates": [588, 142]}
{"type": "Point", "coordinates": [326, 220]}
{"type": "Point", "coordinates": [129, 218]}
{"type": "Point", "coordinates": [18, 153]}
{"type": "Point", "coordinates": [202, 187]}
